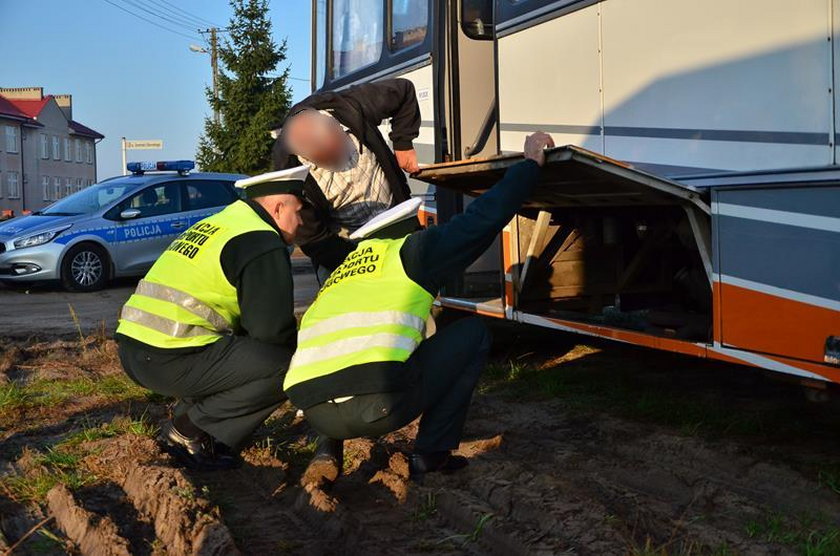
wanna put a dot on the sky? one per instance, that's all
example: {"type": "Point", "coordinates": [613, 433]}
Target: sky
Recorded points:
{"type": "Point", "coordinates": [129, 77]}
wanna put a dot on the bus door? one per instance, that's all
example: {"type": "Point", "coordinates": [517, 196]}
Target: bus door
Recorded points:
{"type": "Point", "coordinates": [471, 130]}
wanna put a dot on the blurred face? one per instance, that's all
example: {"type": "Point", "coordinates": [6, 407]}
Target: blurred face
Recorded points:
{"type": "Point", "coordinates": [319, 139]}
{"type": "Point", "coordinates": [285, 210]}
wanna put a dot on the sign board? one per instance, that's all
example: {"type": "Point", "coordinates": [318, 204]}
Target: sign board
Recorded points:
{"type": "Point", "coordinates": [147, 144]}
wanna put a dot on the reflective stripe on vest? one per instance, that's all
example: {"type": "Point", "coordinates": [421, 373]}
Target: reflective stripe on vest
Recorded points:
{"type": "Point", "coordinates": [186, 300]}
{"type": "Point", "coordinates": [349, 346]}
{"type": "Point", "coordinates": [159, 291]}
{"type": "Point", "coordinates": [164, 325]}
{"type": "Point", "coordinates": [368, 311]}
{"type": "Point", "coordinates": [360, 319]}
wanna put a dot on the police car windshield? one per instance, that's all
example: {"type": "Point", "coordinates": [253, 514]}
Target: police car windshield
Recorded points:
{"type": "Point", "coordinates": [89, 200]}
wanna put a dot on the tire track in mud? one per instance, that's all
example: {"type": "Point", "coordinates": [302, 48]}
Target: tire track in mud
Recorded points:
{"type": "Point", "coordinates": [604, 486]}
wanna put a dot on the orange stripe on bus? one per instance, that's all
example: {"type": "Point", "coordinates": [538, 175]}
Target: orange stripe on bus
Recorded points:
{"type": "Point", "coordinates": [766, 323]}
{"type": "Point", "coordinates": [638, 338]}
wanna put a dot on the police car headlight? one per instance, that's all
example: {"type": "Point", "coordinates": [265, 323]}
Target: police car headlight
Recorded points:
{"type": "Point", "coordinates": [39, 238]}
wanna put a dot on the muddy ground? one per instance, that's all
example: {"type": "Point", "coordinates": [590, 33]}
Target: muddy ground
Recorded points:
{"type": "Point", "coordinates": [589, 450]}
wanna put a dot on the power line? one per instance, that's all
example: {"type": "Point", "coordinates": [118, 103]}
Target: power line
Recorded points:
{"type": "Point", "coordinates": [159, 11]}
{"type": "Point", "coordinates": [156, 24]}
{"type": "Point", "coordinates": [153, 13]}
{"type": "Point", "coordinates": [189, 20]}
{"type": "Point", "coordinates": [191, 15]}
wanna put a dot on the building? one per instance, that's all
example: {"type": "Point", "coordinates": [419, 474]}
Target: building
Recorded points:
{"type": "Point", "coordinates": [44, 153]}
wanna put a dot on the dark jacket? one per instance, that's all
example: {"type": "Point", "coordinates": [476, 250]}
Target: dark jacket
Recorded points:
{"type": "Point", "coordinates": [362, 109]}
{"type": "Point", "coordinates": [429, 258]}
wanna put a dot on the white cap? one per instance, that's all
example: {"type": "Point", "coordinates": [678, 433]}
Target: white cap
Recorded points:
{"type": "Point", "coordinates": [403, 211]}
{"type": "Point", "coordinates": [271, 183]}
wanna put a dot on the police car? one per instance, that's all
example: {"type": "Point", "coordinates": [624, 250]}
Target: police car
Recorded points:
{"type": "Point", "coordinates": [115, 228]}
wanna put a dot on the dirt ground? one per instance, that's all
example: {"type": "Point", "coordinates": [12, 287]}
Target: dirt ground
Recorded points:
{"type": "Point", "coordinates": [588, 450]}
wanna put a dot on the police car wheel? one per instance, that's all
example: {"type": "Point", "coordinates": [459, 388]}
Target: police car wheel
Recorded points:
{"type": "Point", "coordinates": [84, 268]}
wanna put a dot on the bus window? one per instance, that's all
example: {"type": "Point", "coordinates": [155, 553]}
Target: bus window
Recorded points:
{"type": "Point", "coordinates": [320, 40]}
{"type": "Point", "coordinates": [477, 19]}
{"type": "Point", "coordinates": [357, 34]}
{"type": "Point", "coordinates": [409, 23]}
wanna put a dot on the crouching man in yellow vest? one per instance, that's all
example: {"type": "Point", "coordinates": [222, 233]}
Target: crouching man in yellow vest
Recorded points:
{"type": "Point", "coordinates": [363, 367]}
{"type": "Point", "coordinates": [213, 322]}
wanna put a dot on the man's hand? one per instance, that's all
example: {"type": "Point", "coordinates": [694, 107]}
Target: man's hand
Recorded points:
{"type": "Point", "coordinates": [535, 145]}
{"type": "Point", "coordinates": [407, 160]}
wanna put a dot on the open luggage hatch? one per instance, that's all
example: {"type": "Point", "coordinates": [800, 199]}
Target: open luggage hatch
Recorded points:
{"type": "Point", "coordinates": [601, 242]}
{"type": "Point", "coordinates": [571, 177]}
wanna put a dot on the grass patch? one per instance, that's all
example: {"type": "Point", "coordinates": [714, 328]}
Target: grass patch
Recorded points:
{"type": "Point", "coordinates": [13, 397]}
{"type": "Point", "coordinates": [53, 466]}
{"type": "Point", "coordinates": [44, 394]}
{"type": "Point", "coordinates": [61, 463]}
{"type": "Point", "coordinates": [829, 477]}
{"type": "Point", "coordinates": [808, 537]}
{"type": "Point", "coordinates": [694, 397]}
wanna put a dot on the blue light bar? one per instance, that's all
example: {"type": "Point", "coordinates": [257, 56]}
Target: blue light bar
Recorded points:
{"type": "Point", "coordinates": [180, 166]}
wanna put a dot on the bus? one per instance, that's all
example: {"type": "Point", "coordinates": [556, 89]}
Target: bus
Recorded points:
{"type": "Point", "coordinates": [695, 204]}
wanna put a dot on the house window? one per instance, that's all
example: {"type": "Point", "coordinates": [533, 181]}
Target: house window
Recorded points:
{"type": "Point", "coordinates": [68, 153]}
{"type": "Point", "coordinates": [56, 148]}
{"type": "Point", "coordinates": [45, 146]}
{"type": "Point", "coordinates": [1, 185]}
{"type": "Point", "coordinates": [11, 139]}
{"type": "Point", "coordinates": [78, 150]}
{"type": "Point", "coordinates": [89, 152]}
{"type": "Point", "coordinates": [56, 188]}
{"type": "Point", "coordinates": [45, 186]}
{"type": "Point", "coordinates": [14, 185]}
{"type": "Point", "coordinates": [68, 187]}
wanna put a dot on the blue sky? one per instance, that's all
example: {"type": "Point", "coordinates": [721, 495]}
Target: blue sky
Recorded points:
{"type": "Point", "coordinates": [129, 77]}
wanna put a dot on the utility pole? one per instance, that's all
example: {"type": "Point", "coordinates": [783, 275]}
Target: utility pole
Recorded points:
{"type": "Point", "coordinates": [214, 62]}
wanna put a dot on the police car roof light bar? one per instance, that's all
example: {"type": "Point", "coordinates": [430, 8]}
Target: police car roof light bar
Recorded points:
{"type": "Point", "coordinates": [183, 167]}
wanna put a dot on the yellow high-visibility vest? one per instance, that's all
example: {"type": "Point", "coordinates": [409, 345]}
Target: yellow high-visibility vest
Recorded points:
{"type": "Point", "coordinates": [186, 300]}
{"type": "Point", "coordinates": [368, 311]}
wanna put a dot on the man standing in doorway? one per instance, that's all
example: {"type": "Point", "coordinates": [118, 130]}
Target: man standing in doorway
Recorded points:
{"type": "Point", "coordinates": [354, 175]}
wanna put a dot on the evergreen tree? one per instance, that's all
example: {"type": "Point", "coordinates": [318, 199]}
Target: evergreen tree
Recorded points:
{"type": "Point", "coordinates": [251, 104]}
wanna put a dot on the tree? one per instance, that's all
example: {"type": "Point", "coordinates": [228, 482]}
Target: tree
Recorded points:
{"type": "Point", "coordinates": [251, 103]}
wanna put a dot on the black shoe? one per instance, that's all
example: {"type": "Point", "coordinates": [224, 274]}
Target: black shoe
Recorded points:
{"type": "Point", "coordinates": [444, 462]}
{"type": "Point", "coordinates": [201, 452]}
{"type": "Point", "coordinates": [326, 464]}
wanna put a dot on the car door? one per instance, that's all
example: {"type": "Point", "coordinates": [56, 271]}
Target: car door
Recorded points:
{"type": "Point", "coordinates": [204, 197]}
{"type": "Point", "coordinates": [141, 239]}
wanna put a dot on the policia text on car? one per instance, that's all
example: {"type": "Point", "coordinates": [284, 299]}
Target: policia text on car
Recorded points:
{"type": "Point", "coordinates": [363, 366]}
{"type": "Point", "coordinates": [213, 323]}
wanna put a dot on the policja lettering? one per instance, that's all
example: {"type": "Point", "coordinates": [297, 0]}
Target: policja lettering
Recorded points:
{"type": "Point", "coordinates": [189, 243]}
{"type": "Point", "coordinates": [364, 261]}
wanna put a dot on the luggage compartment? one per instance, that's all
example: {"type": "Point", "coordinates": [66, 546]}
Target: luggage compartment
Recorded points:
{"type": "Point", "coordinates": [599, 242]}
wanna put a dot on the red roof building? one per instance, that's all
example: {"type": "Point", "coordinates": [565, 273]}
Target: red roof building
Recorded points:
{"type": "Point", "coordinates": [44, 153]}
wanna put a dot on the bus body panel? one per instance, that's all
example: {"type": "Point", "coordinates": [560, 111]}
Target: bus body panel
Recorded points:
{"type": "Point", "coordinates": [680, 86]}
{"type": "Point", "coordinates": [697, 91]}
{"type": "Point", "coordinates": [778, 268]}
{"type": "Point", "coordinates": [549, 80]}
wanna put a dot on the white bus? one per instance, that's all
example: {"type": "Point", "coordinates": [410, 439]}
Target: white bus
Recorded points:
{"type": "Point", "coordinates": [718, 232]}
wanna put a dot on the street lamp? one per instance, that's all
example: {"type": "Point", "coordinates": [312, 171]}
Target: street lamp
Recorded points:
{"type": "Point", "coordinates": [214, 63]}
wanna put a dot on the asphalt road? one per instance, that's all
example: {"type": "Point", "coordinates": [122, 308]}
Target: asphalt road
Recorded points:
{"type": "Point", "coordinates": [48, 311]}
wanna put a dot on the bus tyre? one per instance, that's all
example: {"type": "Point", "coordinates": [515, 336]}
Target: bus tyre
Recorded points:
{"type": "Point", "coordinates": [84, 268]}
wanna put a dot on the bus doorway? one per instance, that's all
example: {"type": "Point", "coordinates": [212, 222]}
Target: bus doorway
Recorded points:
{"type": "Point", "coordinates": [472, 118]}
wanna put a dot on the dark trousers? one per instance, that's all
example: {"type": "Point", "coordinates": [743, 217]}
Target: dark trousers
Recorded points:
{"type": "Point", "coordinates": [227, 389]}
{"type": "Point", "coordinates": [443, 372]}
